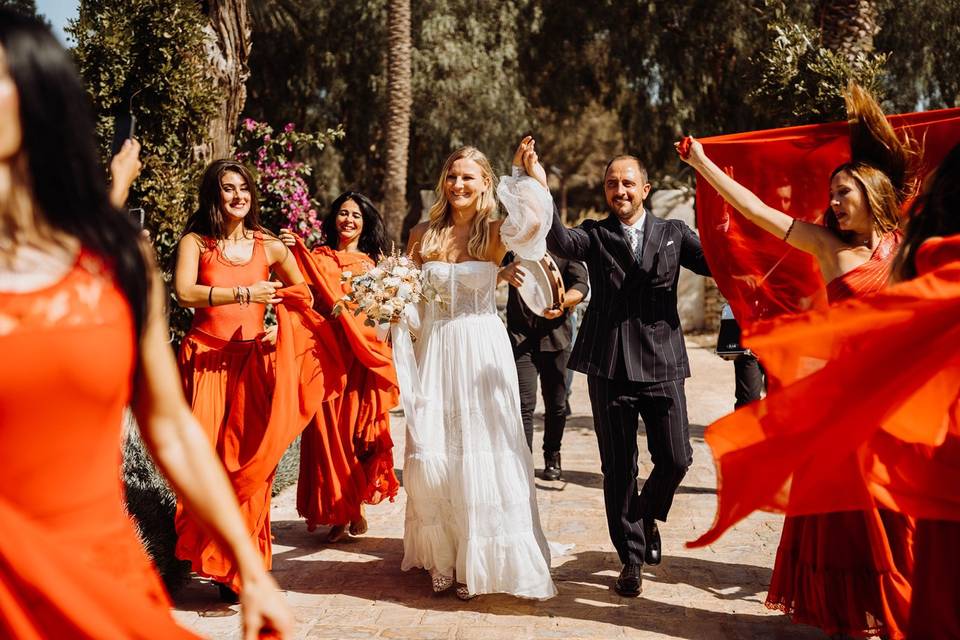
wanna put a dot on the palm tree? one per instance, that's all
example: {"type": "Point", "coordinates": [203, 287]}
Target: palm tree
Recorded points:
{"type": "Point", "coordinates": [399, 101]}
{"type": "Point", "coordinates": [228, 51]}
{"type": "Point", "coordinates": [849, 27]}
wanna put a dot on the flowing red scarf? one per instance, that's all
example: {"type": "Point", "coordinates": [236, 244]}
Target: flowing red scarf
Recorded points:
{"type": "Point", "coordinates": [877, 378]}
{"type": "Point", "coordinates": [789, 169]}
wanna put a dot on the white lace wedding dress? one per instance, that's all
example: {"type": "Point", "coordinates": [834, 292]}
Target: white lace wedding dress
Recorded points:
{"type": "Point", "coordinates": [468, 474]}
{"type": "Point", "coordinates": [471, 502]}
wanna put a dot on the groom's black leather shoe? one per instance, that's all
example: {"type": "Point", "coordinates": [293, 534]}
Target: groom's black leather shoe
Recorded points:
{"type": "Point", "coordinates": [651, 535]}
{"type": "Point", "coordinates": [630, 582]}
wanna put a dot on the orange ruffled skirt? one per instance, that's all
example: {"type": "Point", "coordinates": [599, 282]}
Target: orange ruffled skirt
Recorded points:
{"type": "Point", "coordinates": [846, 572]}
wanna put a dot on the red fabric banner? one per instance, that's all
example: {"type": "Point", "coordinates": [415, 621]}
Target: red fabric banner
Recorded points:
{"type": "Point", "coordinates": [789, 169]}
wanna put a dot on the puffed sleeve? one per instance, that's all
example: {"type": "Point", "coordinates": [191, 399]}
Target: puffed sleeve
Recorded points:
{"type": "Point", "coordinates": [529, 215]}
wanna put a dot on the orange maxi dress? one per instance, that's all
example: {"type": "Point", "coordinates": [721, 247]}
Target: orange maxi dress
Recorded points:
{"type": "Point", "coordinates": [71, 565]}
{"type": "Point", "coordinates": [848, 572]}
{"type": "Point", "coordinates": [220, 344]}
{"type": "Point", "coordinates": [346, 452]}
{"type": "Point", "coordinates": [251, 399]}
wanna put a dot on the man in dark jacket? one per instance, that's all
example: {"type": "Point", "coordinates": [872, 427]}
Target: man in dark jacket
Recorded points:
{"type": "Point", "coordinates": [631, 348]}
{"type": "Point", "coordinates": [541, 347]}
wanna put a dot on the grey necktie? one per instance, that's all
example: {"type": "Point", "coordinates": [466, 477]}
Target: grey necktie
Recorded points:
{"type": "Point", "coordinates": [635, 247]}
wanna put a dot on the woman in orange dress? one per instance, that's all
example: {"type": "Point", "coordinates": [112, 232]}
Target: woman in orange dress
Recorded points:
{"type": "Point", "coordinates": [846, 572]}
{"type": "Point", "coordinates": [224, 260]}
{"type": "Point", "coordinates": [346, 453]}
{"type": "Point", "coordinates": [82, 316]}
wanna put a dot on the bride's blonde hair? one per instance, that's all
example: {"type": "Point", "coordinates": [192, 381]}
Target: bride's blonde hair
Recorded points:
{"type": "Point", "coordinates": [441, 211]}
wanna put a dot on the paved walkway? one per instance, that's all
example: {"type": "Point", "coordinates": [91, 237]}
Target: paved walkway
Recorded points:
{"type": "Point", "coordinates": [356, 589]}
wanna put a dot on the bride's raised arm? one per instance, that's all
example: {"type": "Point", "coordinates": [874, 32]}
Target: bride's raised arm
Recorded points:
{"type": "Point", "coordinates": [526, 197]}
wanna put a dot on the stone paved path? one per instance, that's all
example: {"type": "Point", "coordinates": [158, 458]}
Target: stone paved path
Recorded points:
{"type": "Point", "coordinates": [356, 589]}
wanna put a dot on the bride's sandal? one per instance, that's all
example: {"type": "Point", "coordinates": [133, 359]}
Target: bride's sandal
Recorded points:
{"type": "Point", "coordinates": [464, 594]}
{"type": "Point", "coordinates": [441, 582]}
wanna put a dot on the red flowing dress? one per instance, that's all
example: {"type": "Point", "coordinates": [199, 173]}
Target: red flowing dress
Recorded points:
{"type": "Point", "coordinates": [346, 452]}
{"type": "Point", "coordinates": [71, 565]}
{"type": "Point", "coordinates": [220, 344]}
{"type": "Point", "coordinates": [848, 572]}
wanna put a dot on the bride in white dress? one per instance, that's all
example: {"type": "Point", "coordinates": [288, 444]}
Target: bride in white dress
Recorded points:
{"type": "Point", "coordinates": [471, 503]}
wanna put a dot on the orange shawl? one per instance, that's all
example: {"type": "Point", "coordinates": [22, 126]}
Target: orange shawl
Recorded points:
{"type": "Point", "coordinates": [269, 396]}
{"type": "Point", "coordinates": [877, 378]}
{"type": "Point", "coordinates": [346, 454]}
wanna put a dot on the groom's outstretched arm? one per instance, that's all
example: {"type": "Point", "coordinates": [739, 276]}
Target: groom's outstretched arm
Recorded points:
{"type": "Point", "coordinates": [573, 244]}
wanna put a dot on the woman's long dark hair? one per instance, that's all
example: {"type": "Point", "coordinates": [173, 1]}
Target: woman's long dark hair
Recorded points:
{"type": "Point", "coordinates": [373, 237]}
{"type": "Point", "coordinates": [208, 220]}
{"type": "Point", "coordinates": [936, 212]}
{"type": "Point", "coordinates": [67, 186]}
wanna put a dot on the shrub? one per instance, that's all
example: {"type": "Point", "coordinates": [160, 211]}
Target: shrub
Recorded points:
{"type": "Point", "coordinates": [285, 199]}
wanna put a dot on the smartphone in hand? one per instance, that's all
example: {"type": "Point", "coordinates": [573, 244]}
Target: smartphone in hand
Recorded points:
{"type": "Point", "coordinates": [138, 215]}
{"type": "Point", "coordinates": [125, 126]}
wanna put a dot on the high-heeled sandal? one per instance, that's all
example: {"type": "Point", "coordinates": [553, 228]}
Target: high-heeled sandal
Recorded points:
{"type": "Point", "coordinates": [440, 583]}
{"type": "Point", "coordinates": [464, 594]}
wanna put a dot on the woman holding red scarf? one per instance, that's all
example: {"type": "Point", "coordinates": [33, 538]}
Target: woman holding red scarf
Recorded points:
{"type": "Point", "coordinates": [234, 373]}
{"type": "Point", "coordinates": [845, 572]}
{"type": "Point", "coordinates": [346, 452]}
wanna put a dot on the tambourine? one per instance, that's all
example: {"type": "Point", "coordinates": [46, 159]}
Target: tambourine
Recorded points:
{"type": "Point", "coordinates": [542, 287]}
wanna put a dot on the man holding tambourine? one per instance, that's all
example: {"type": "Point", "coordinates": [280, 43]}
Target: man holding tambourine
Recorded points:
{"type": "Point", "coordinates": [541, 295]}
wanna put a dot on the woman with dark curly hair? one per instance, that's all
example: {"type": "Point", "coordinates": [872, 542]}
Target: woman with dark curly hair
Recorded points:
{"type": "Point", "coordinates": [346, 453]}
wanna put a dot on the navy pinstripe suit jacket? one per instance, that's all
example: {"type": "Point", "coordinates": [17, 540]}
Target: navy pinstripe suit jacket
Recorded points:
{"type": "Point", "coordinates": [631, 329]}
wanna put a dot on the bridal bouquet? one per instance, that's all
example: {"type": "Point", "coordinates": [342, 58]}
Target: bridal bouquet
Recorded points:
{"type": "Point", "coordinates": [384, 291]}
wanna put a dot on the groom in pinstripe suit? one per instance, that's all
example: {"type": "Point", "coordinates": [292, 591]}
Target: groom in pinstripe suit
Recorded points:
{"type": "Point", "coordinates": [631, 348]}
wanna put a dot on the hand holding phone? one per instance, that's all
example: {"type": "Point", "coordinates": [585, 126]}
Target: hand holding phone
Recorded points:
{"type": "Point", "coordinates": [138, 215]}
{"type": "Point", "coordinates": [124, 128]}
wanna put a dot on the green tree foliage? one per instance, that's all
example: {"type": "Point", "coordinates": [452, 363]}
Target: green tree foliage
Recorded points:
{"type": "Point", "coordinates": [923, 41]}
{"type": "Point", "coordinates": [663, 68]}
{"type": "Point", "coordinates": [467, 83]}
{"type": "Point", "coordinates": [339, 53]}
{"type": "Point", "coordinates": [800, 80]}
{"type": "Point", "coordinates": [485, 72]}
{"type": "Point", "coordinates": [147, 56]}
{"type": "Point", "coordinates": [467, 86]}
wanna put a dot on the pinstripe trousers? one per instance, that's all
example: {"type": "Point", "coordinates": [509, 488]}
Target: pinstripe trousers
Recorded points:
{"type": "Point", "coordinates": [617, 406]}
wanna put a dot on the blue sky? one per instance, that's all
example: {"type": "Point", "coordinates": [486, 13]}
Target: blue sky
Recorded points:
{"type": "Point", "coordinates": [58, 12]}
